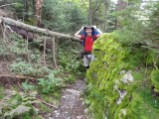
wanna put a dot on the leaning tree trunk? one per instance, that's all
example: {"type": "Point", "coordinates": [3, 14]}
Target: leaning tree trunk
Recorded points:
{"type": "Point", "coordinates": [38, 11]}
{"type": "Point", "coordinates": [106, 8]}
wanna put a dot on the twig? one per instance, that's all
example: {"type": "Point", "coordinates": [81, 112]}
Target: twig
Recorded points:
{"type": "Point", "coordinates": [7, 5]}
{"type": "Point", "coordinates": [5, 29]}
{"type": "Point", "coordinates": [19, 85]}
{"type": "Point", "coordinates": [47, 103]}
{"type": "Point", "coordinates": [28, 48]}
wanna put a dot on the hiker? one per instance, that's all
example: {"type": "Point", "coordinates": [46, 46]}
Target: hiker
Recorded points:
{"type": "Point", "coordinates": [88, 35]}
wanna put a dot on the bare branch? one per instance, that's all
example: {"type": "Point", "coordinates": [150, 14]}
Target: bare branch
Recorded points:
{"type": "Point", "coordinates": [7, 5]}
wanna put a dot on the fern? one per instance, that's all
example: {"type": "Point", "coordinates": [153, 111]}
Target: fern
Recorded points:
{"type": "Point", "coordinates": [50, 83]}
{"type": "Point", "coordinates": [18, 105]}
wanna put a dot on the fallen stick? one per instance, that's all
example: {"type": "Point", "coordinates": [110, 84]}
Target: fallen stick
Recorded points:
{"type": "Point", "coordinates": [7, 5]}
{"type": "Point", "coordinates": [47, 103]}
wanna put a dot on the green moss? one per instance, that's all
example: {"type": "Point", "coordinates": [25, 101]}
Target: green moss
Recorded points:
{"type": "Point", "coordinates": [104, 79]}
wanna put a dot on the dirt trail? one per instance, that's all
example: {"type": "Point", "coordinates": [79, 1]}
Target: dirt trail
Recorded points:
{"type": "Point", "coordinates": [71, 105]}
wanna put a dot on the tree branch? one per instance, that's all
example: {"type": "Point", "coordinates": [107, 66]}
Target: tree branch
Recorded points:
{"type": "Point", "coordinates": [7, 5]}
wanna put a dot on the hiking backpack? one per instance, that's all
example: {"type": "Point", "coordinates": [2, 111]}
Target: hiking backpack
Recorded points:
{"type": "Point", "coordinates": [94, 32]}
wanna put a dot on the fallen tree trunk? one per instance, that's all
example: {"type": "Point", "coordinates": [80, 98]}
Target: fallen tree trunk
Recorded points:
{"type": "Point", "coordinates": [21, 25]}
{"type": "Point", "coordinates": [16, 77]}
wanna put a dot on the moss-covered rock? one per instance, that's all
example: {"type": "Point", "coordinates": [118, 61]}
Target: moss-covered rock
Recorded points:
{"type": "Point", "coordinates": [115, 82]}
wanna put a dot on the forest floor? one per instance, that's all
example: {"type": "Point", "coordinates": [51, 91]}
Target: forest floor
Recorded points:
{"type": "Point", "coordinates": [71, 103]}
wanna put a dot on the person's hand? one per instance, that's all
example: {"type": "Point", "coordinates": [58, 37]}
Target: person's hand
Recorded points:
{"type": "Point", "coordinates": [94, 26]}
{"type": "Point", "coordinates": [82, 28]}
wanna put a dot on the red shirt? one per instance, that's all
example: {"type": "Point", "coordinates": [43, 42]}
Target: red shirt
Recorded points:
{"type": "Point", "coordinates": [88, 45]}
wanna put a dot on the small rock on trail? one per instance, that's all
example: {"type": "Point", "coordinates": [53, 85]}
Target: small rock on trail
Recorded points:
{"type": "Point", "coordinates": [71, 104]}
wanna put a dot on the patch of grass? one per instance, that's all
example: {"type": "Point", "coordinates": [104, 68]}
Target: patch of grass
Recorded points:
{"type": "Point", "coordinates": [70, 79]}
{"type": "Point", "coordinates": [51, 98]}
{"type": "Point", "coordinates": [43, 108]}
{"type": "Point", "coordinates": [50, 83]}
{"type": "Point", "coordinates": [1, 92]}
{"type": "Point", "coordinates": [150, 105]}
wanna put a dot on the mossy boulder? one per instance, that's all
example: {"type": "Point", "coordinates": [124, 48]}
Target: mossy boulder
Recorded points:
{"type": "Point", "coordinates": [114, 88]}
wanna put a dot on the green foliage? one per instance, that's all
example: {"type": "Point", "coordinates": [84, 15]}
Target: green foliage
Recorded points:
{"type": "Point", "coordinates": [62, 15]}
{"type": "Point", "coordinates": [26, 86]}
{"type": "Point", "coordinates": [23, 10]}
{"type": "Point", "coordinates": [1, 92]}
{"type": "Point", "coordinates": [68, 56]}
{"type": "Point", "coordinates": [19, 105]}
{"type": "Point", "coordinates": [152, 58]}
{"type": "Point", "coordinates": [28, 69]}
{"type": "Point", "coordinates": [49, 83]}
{"type": "Point", "coordinates": [155, 80]}
{"type": "Point", "coordinates": [70, 79]}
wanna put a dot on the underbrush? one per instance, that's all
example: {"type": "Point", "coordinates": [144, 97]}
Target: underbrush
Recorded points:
{"type": "Point", "coordinates": [38, 98]}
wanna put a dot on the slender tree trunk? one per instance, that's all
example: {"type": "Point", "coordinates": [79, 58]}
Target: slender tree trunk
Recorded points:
{"type": "Point", "coordinates": [121, 5]}
{"type": "Point", "coordinates": [33, 6]}
{"type": "Point", "coordinates": [90, 13]}
{"type": "Point", "coordinates": [106, 7]}
{"type": "Point", "coordinates": [26, 10]}
{"type": "Point", "coordinates": [38, 11]}
{"type": "Point", "coordinates": [54, 52]}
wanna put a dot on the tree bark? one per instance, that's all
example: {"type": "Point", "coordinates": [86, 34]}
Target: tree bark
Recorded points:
{"type": "Point", "coordinates": [46, 32]}
{"type": "Point", "coordinates": [54, 52]}
{"type": "Point", "coordinates": [38, 11]}
{"type": "Point", "coordinates": [121, 5]}
{"type": "Point", "coordinates": [106, 8]}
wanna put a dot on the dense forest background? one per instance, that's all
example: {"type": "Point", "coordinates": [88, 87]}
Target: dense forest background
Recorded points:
{"type": "Point", "coordinates": [122, 83]}
{"type": "Point", "coordinates": [67, 15]}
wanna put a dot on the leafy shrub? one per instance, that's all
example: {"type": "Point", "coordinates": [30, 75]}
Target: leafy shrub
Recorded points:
{"type": "Point", "coordinates": [70, 79]}
{"type": "Point", "coordinates": [69, 62]}
{"type": "Point", "coordinates": [49, 83]}
{"type": "Point", "coordinates": [26, 86]}
{"type": "Point", "coordinates": [155, 80]}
